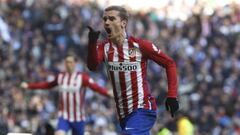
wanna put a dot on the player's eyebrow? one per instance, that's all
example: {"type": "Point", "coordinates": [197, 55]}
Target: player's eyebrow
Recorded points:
{"type": "Point", "coordinates": [111, 18]}
{"type": "Point", "coordinates": [105, 18]}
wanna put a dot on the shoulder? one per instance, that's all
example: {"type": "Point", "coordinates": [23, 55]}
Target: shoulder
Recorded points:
{"type": "Point", "coordinates": [140, 42]}
{"type": "Point", "coordinates": [103, 42]}
{"type": "Point", "coordinates": [83, 74]}
{"type": "Point", "coordinates": [60, 73]}
{"type": "Point", "coordinates": [86, 77]}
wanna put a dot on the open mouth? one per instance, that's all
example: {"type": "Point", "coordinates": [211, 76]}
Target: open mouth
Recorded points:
{"type": "Point", "coordinates": [108, 30]}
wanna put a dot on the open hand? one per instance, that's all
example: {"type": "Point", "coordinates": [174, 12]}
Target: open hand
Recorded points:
{"type": "Point", "coordinates": [24, 85]}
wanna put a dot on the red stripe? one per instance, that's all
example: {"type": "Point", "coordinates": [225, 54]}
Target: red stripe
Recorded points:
{"type": "Point", "coordinates": [68, 99]}
{"type": "Point", "coordinates": [115, 92]}
{"type": "Point", "coordinates": [110, 59]}
{"type": "Point", "coordinates": [61, 100]}
{"type": "Point", "coordinates": [63, 75]}
{"type": "Point", "coordinates": [75, 79]}
{"type": "Point", "coordinates": [82, 95]}
{"type": "Point", "coordinates": [68, 106]}
{"type": "Point", "coordinates": [145, 87]}
{"type": "Point", "coordinates": [122, 81]}
{"type": "Point", "coordinates": [74, 105]}
{"type": "Point", "coordinates": [74, 98]}
{"type": "Point", "coordinates": [134, 79]}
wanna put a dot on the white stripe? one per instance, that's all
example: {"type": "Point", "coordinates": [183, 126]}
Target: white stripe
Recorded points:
{"type": "Point", "coordinates": [106, 49]}
{"type": "Point", "coordinates": [150, 106]}
{"type": "Point", "coordinates": [60, 78]}
{"type": "Point", "coordinates": [71, 98]}
{"type": "Point", "coordinates": [65, 80]}
{"type": "Point", "coordinates": [72, 79]}
{"type": "Point", "coordinates": [79, 81]}
{"type": "Point", "coordinates": [117, 84]}
{"type": "Point", "coordinates": [128, 79]}
{"type": "Point", "coordinates": [78, 98]}
{"type": "Point", "coordinates": [64, 85]}
{"type": "Point", "coordinates": [64, 94]}
{"type": "Point", "coordinates": [71, 95]}
{"type": "Point", "coordinates": [139, 78]}
{"type": "Point", "coordinates": [71, 107]}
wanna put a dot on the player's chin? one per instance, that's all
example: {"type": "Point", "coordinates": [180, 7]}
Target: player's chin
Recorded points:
{"type": "Point", "coordinates": [109, 36]}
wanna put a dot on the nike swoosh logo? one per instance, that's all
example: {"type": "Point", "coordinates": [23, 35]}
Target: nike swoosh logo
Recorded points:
{"type": "Point", "coordinates": [128, 128]}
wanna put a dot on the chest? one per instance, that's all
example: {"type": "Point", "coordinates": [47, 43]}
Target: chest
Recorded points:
{"type": "Point", "coordinates": [122, 58]}
{"type": "Point", "coordinates": [124, 53]}
{"type": "Point", "coordinates": [69, 83]}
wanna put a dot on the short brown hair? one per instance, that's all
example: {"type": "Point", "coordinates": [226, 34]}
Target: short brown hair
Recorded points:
{"type": "Point", "coordinates": [71, 54]}
{"type": "Point", "coordinates": [122, 11]}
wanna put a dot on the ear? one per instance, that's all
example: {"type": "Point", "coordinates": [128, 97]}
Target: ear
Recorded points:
{"type": "Point", "coordinates": [124, 24]}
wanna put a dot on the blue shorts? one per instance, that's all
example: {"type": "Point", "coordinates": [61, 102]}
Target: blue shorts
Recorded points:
{"type": "Point", "coordinates": [139, 122]}
{"type": "Point", "coordinates": [65, 125]}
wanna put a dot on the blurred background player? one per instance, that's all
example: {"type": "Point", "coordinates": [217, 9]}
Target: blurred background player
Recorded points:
{"type": "Point", "coordinates": [71, 86]}
{"type": "Point", "coordinates": [126, 61]}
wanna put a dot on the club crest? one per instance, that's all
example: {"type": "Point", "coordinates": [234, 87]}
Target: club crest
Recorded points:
{"type": "Point", "coordinates": [132, 52]}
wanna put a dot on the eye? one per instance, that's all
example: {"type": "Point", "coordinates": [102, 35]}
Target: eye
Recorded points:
{"type": "Point", "coordinates": [104, 19]}
{"type": "Point", "coordinates": [111, 18]}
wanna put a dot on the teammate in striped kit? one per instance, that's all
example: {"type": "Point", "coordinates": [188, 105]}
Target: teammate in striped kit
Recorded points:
{"type": "Point", "coordinates": [126, 58]}
{"type": "Point", "coordinates": [71, 85]}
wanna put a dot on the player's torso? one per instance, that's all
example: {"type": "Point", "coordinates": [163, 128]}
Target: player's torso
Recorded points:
{"type": "Point", "coordinates": [123, 58]}
{"type": "Point", "coordinates": [69, 82]}
{"type": "Point", "coordinates": [71, 96]}
{"type": "Point", "coordinates": [126, 67]}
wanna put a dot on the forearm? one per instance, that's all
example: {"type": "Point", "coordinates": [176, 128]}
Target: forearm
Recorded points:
{"type": "Point", "coordinates": [171, 71]}
{"type": "Point", "coordinates": [40, 85]}
{"type": "Point", "coordinates": [103, 92]}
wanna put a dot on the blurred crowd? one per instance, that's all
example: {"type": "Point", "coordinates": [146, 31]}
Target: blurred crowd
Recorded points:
{"type": "Point", "coordinates": [36, 35]}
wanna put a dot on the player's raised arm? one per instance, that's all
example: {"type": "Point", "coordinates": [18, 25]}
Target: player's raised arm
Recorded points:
{"type": "Point", "coordinates": [152, 52]}
{"type": "Point", "coordinates": [89, 82]}
{"type": "Point", "coordinates": [95, 52]}
{"type": "Point", "coordinates": [39, 85]}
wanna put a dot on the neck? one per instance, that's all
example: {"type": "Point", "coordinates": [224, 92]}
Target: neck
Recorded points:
{"type": "Point", "coordinates": [70, 71]}
{"type": "Point", "coordinates": [119, 40]}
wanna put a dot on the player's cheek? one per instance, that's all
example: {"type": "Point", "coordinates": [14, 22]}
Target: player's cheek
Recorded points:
{"type": "Point", "coordinates": [116, 27]}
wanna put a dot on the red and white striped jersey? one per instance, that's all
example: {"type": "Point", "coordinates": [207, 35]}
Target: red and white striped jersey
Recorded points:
{"type": "Point", "coordinates": [127, 66]}
{"type": "Point", "coordinates": [71, 89]}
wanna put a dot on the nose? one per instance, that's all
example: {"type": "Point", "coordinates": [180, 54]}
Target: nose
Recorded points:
{"type": "Point", "coordinates": [106, 22]}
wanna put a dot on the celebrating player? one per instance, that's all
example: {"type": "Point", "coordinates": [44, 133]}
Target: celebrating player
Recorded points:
{"type": "Point", "coordinates": [126, 58]}
{"type": "Point", "coordinates": [71, 85]}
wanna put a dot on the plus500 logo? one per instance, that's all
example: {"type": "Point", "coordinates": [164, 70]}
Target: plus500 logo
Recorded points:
{"type": "Point", "coordinates": [123, 66]}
